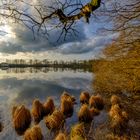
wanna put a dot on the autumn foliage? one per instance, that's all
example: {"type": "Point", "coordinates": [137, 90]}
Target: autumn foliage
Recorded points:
{"type": "Point", "coordinates": [119, 71]}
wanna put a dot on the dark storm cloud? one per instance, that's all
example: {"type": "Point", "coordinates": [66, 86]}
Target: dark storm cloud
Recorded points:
{"type": "Point", "coordinates": [25, 42]}
{"type": "Point", "coordinates": [5, 47]}
{"type": "Point", "coordinates": [93, 44]}
{"type": "Point", "coordinates": [13, 48]}
{"type": "Point", "coordinates": [82, 44]}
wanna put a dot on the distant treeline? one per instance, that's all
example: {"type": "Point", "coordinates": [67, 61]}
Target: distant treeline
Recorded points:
{"type": "Point", "coordinates": [73, 65]}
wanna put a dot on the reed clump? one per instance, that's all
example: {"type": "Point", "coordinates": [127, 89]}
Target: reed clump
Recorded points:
{"type": "Point", "coordinates": [55, 118]}
{"type": "Point", "coordinates": [96, 102]}
{"type": "Point", "coordinates": [37, 111]}
{"type": "Point", "coordinates": [61, 136]}
{"type": "Point", "coordinates": [94, 111]}
{"type": "Point", "coordinates": [33, 133]}
{"type": "Point", "coordinates": [119, 122]}
{"type": "Point", "coordinates": [67, 104]}
{"type": "Point", "coordinates": [115, 100]}
{"type": "Point", "coordinates": [55, 121]}
{"type": "Point", "coordinates": [67, 96]}
{"type": "Point", "coordinates": [115, 110]}
{"type": "Point", "coordinates": [21, 118]}
{"type": "Point", "coordinates": [84, 97]}
{"type": "Point", "coordinates": [67, 108]}
{"type": "Point", "coordinates": [49, 106]}
{"type": "Point", "coordinates": [84, 114]}
{"type": "Point", "coordinates": [78, 132]}
{"type": "Point", "coordinates": [119, 118]}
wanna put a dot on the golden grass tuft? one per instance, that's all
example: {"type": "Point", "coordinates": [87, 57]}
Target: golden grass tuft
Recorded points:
{"type": "Point", "coordinates": [115, 100]}
{"type": "Point", "coordinates": [61, 136]}
{"type": "Point", "coordinates": [66, 96]}
{"type": "Point", "coordinates": [119, 118]}
{"type": "Point", "coordinates": [96, 102]}
{"type": "Point", "coordinates": [13, 110]}
{"type": "Point", "coordinates": [37, 111]}
{"type": "Point", "coordinates": [117, 123]}
{"type": "Point", "coordinates": [115, 110]}
{"type": "Point", "coordinates": [78, 132]}
{"type": "Point", "coordinates": [21, 118]}
{"type": "Point", "coordinates": [84, 114]}
{"type": "Point", "coordinates": [55, 121]}
{"type": "Point", "coordinates": [67, 107]}
{"type": "Point", "coordinates": [49, 106]}
{"type": "Point", "coordinates": [84, 97]}
{"type": "Point", "coordinates": [67, 104]}
{"type": "Point", "coordinates": [94, 111]}
{"type": "Point", "coordinates": [33, 133]}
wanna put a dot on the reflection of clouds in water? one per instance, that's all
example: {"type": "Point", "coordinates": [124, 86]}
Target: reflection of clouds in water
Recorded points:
{"type": "Point", "coordinates": [23, 91]}
{"type": "Point", "coordinates": [76, 83]}
{"type": "Point", "coordinates": [7, 133]}
{"type": "Point", "coordinates": [26, 90]}
{"type": "Point", "coordinates": [38, 89]}
{"type": "Point", "coordinates": [50, 75]}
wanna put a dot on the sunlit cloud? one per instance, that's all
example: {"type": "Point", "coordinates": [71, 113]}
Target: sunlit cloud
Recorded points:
{"type": "Point", "coordinates": [16, 41]}
{"type": "Point", "coordinates": [6, 33]}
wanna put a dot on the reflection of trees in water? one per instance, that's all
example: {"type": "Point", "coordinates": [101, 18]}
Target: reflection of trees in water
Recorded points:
{"type": "Point", "coordinates": [45, 69]}
{"type": "Point", "coordinates": [21, 66]}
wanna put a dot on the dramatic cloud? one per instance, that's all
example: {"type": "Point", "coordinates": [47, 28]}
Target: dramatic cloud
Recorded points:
{"type": "Point", "coordinates": [94, 44]}
{"type": "Point", "coordinates": [19, 42]}
{"type": "Point", "coordinates": [24, 41]}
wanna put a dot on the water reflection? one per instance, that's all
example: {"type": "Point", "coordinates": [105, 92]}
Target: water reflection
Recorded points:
{"type": "Point", "coordinates": [22, 86]}
{"type": "Point", "coordinates": [42, 69]}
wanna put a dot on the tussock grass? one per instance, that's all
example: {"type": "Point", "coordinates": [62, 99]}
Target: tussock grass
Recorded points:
{"type": "Point", "coordinates": [66, 96]}
{"type": "Point", "coordinates": [33, 133]}
{"type": "Point", "coordinates": [37, 111]}
{"type": "Point", "coordinates": [96, 102]}
{"type": "Point", "coordinates": [67, 104]}
{"type": "Point", "coordinates": [84, 114]}
{"type": "Point", "coordinates": [49, 106]}
{"type": "Point", "coordinates": [55, 121]}
{"type": "Point", "coordinates": [78, 132]}
{"type": "Point", "coordinates": [61, 136]}
{"type": "Point", "coordinates": [67, 107]}
{"type": "Point", "coordinates": [120, 124]}
{"type": "Point", "coordinates": [21, 118]}
{"type": "Point", "coordinates": [84, 97]}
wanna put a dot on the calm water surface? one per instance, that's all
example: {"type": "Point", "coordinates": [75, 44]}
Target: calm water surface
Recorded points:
{"type": "Point", "coordinates": [22, 86]}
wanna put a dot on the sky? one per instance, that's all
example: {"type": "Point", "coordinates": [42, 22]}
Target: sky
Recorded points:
{"type": "Point", "coordinates": [17, 42]}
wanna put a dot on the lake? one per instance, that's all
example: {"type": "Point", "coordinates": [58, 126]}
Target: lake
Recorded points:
{"type": "Point", "coordinates": [22, 86]}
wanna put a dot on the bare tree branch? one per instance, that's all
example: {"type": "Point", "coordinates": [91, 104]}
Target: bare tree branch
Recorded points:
{"type": "Point", "coordinates": [62, 13]}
